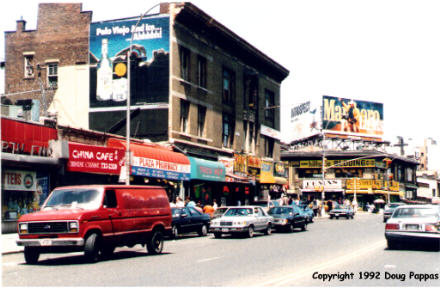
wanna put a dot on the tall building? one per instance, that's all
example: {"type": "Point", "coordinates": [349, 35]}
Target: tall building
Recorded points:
{"type": "Point", "coordinates": [193, 84]}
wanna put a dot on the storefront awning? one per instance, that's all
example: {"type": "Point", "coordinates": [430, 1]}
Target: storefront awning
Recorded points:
{"type": "Point", "coordinates": [156, 161]}
{"type": "Point", "coordinates": [236, 179]}
{"type": "Point", "coordinates": [207, 170]}
{"type": "Point", "coordinates": [280, 181]}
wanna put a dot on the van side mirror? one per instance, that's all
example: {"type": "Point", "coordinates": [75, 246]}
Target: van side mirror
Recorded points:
{"type": "Point", "coordinates": [184, 215]}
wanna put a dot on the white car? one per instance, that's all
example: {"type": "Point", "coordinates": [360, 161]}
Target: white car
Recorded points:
{"type": "Point", "coordinates": [413, 223]}
{"type": "Point", "coordinates": [243, 220]}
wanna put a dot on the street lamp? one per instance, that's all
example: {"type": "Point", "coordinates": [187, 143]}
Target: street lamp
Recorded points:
{"type": "Point", "coordinates": [127, 153]}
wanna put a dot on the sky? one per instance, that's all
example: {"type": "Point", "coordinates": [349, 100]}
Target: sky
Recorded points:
{"type": "Point", "coordinates": [381, 51]}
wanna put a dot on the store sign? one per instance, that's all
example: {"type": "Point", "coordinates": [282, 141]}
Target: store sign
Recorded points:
{"type": "Point", "coordinates": [147, 167]}
{"type": "Point", "coordinates": [240, 163]}
{"type": "Point", "coordinates": [280, 170]}
{"type": "Point", "coordinates": [95, 159]}
{"type": "Point", "coordinates": [365, 184]}
{"type": "Point", "coordinates": [318, 184]}
{"type": "Point", "coordinates": [19, 180]}
{"type": "Point", "coordinates": [26, 138]}
{"type": "Point", "coordinates": [229, 164]}
{"type": "Point", "coordinates": [309, 164]}
{"type": "Point", "coordinates": [270, 132]}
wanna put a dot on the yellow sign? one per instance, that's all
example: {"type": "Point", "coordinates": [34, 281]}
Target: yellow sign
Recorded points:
{"type": "Point", "coordinates": [364, 184]}
{"type": "Point", "coordinates": [120, 69]}
{"type": "Point", "coordinates": [362, 163]}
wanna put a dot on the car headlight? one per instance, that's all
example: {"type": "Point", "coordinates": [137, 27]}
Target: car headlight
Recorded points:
{"type": "Point", "coordinates": [73, 227]}
{"type": "Point", "coordinates": [285, 221]}
{"type": "Point", "coordinates": [240, 223]}
{"type": "Point", "coordinates": [23, 228]}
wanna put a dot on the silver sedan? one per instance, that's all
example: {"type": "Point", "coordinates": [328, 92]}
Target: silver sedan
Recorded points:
{"type": "Point", "coordinates": [414, 223]}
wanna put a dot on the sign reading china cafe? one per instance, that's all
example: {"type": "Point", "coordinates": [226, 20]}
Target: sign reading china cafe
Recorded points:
{"type": "Point", "coordinates": [95, 159]}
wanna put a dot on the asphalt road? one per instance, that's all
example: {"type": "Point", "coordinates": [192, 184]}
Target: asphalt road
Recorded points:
{"type": "Point", "coordinates": [353, 248]}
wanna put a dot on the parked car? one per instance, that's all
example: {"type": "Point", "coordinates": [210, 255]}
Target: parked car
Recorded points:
{"type": "Point", "coordinates": [308, 212]}
{"type": "Point", "coordinates": [188, 220]}
{"type": "Point", "coordinates": [219, 212]}
{"type": "Point", "coordinates": [242, 220]}
{"type": "Point", "coordinates": [413, 223]}
{"type": "Point", "coordinates": [341, 211]}
{"type": "Point", "coordinates": [96, 219]}
{"type": "Point", "coordinates": [288, 218]}
{"type": "Point", "coordinates": [389, 209]}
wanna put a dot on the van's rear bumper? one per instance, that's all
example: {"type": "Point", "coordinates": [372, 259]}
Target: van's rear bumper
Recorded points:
{"type": "Point", "coordinates": [51, 242]}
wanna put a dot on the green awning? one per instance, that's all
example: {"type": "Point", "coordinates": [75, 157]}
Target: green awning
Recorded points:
{"type": "Point", "coordinates": [207, 170]}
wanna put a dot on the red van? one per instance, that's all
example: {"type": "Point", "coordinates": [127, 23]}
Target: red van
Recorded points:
{"type": "Point", "coordinates": [96, 219]}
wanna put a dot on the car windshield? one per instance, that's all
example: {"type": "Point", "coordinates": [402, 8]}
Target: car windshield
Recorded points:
{"type": "Point", "coordinates": [394, 205]}
{"type": "Point", "coordinates": [238, 212]}
{"type": "Point", "coordinates": [280, 210]}
{"type": "Point", "coordinates": [74, 198]}
{"type": "Point", "coordinates": [176, 212]}
{"type": "Point", "coordinates": [415, 212]}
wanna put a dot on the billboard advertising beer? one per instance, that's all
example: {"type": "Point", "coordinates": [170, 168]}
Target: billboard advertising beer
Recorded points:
{"type": "Point", "coordinates": [352, 117]}
{"type": "Point", "coordinates": [109, 47]}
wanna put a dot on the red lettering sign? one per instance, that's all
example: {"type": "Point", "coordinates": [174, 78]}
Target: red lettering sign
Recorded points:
{"type": "Point", "coordinates": [95, 159]}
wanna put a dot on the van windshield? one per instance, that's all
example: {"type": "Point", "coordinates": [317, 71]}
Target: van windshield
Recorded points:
{"type": "Point", "coordinates": [74, 198]}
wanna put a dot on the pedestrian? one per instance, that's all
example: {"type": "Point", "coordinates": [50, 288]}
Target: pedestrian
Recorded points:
{"type": "Point", "coordinates": [179, 203]}
{"type": "Point", "coordinates": [199, 206]}
{"type": "Point", "coordinates": [208, 209]}
{"type": "Point", "coordinates": [214, 204]}
{"type": "Point", "coordinates": [172, 204]}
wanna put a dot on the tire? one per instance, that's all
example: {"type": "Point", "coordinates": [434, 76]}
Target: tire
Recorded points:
{"type": "Point", "coordinates": [348, 217]}
{"type": "Point", "coordinates": [291, 228]}
{"type": "Point", "coordinates": [218, 235]}
{"type": "Point", "coordinates": [331, 217]}
{"type": "Point", "coordinates": [31, 255]}
{"type": "Point", "coordinates": [155, 243]}
{"type": "Point", "coordinates": [203, 231]}
{"type": "Point", "coordinates": [174, 232]}
{"type": "Point", "coordinates": [92, 250]}
{"type": "Point", "coordinates": [304, 227]}
{"type": "Point", "coordinates": [250, 232]}
{"type": "Point", "coordinates": [337, 218]}
{"type": "Point", "coordinates": [268, 229]}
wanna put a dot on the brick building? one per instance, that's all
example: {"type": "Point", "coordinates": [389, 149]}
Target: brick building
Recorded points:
{"type": "Point", "coordinates": [45, 63]}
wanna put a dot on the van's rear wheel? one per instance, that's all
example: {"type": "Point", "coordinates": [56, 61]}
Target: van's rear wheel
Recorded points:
{"type": "Point", "coordinates": [31, 255]}
{"type": "Point", "coordinates": [155, 243]}
{"type": "Point", "coordinates": [92, 249]}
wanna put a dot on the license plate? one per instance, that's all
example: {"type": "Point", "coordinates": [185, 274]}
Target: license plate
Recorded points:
{"type": "Point", "coordinates": [46, 242]}
{"type": "Point", "coordinates": [412, 227]}
{"type": "Point", "coordinates": [225, 230]}
{"type": "Point", "coordinates": [337, 215]}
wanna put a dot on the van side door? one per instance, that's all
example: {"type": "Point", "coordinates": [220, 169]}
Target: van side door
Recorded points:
{"type": "Point", "coordinates": [114, 214]}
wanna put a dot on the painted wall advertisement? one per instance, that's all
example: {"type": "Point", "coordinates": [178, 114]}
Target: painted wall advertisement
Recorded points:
{"type": "Point", "coordinates": [109, 48]}
{"type": "Point", "coordinates": [352, 117]}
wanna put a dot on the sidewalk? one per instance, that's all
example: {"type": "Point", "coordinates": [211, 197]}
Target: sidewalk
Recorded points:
{"type": "Point", "coordinates": [8, 244]}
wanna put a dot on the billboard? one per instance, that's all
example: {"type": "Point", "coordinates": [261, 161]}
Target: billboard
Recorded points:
{"type": "Point", "coordinates": [109, 48]}
{"type": "Point", "coordinates": [305, 120]}
{"type": "Point", "coordinates": [349, 117]}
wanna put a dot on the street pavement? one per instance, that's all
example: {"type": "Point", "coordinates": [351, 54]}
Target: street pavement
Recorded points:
{"type": "Point", "coordinates": [283, 259]}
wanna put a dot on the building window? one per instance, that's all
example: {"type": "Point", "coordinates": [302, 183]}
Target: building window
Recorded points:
{"type": "Point", "coordinates": [228, 86]}
{"type": "Point", "coordinates": [228, 131]}
{"type": "Point", "coordinates": [29, 70]}
{"type": "Point", "coordinates": [184, 63]}
{"type": "Point", "coordinates": [268, 147]}
{"type": "Point", "coordinates": [201, 121]}
{"type": "Point", "coordinates": [201, 71]}
{"type": "Point", "coordinates": [52, 75]}
{"type": "Point", "coordinates": [269, 103]}
{"type": "Point", "coordinates": [184, 112]}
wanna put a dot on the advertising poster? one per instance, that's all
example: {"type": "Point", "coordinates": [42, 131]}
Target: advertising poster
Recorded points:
{"type": "Point", "coordinates": [352, 117]}
{"type": "Point", "coordinates": [304, 120]}
{"type": "Point", "coordinates": [109, 48]}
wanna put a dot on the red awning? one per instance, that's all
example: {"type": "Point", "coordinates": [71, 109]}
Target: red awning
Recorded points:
{"type": "Point", "coordinates": [151, 151]}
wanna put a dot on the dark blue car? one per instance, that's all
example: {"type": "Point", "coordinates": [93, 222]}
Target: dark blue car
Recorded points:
{"type": "Point", "coordinates": [188, 220]}
{"type": "Point", "coordinates": [308, 212]}
{"type": "Point", "coordinates": [288, 218]}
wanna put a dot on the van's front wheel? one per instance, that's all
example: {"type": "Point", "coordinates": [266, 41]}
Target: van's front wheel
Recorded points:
{"type": "Point", "coordinates": [31, 255]}
{"type": "Point", "coordinates": [92, 249]}
{"type": "Point", "coordinates": [155, 243]}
